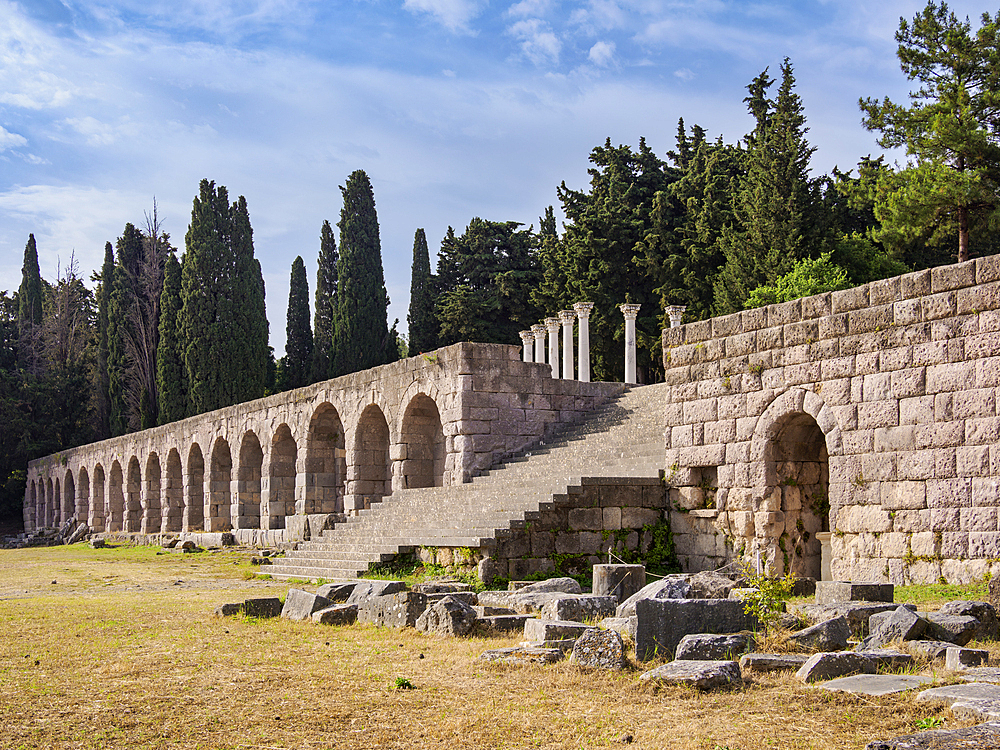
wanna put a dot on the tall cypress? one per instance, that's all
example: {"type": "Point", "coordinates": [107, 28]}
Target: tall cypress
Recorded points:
{"type": "Point", "coordinates": [249, 350]}
{"type": "Point", "coordinates": [170, 376]}
{"type": "Point", "coordinates": [123, 404]}
{"type": "Point", "coordinates": [103, 405]}
{"type": "Point", "coordinates": [29, 309]}
{"type": "Point", "coordinates": [421, 319]}
{"type": "Point", "coordinates": [298, 334]}
{"type": "Point", "coordinates": [361, 336]}
{"type": "Point", "coordinates": [326, 304]}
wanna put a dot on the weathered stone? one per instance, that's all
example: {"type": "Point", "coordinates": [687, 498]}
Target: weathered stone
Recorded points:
{"type": "Point", "coordinates": [501, 623]}
{"type": "Point", "coordinates": [624, 626]}
{"type": "Point", "coordinates": [661, 623]}
{"type": "Point", "coordinates": [981, 737]}
{"type": "Point", "coordinates": [441, 587]}
{"type": "Point", "coordinates": [600, 648]}
{"type": "Point", "coordinates": [98, 544]}
{"type": "Point", "coordinates": [835, 592]}
{"type": "Point", "coordinates": [671, 587]}
{"type": "Point", "coordinates": [756, 662]}
{"type": "Point", "coordinates": [563, 644]}
{"type": "Point", "coordinates": [365, 590]}
{"type": "Point", "coordinates": [957, 629]}
{"type": "Point", "coordinates": [339, 592]}
{"type": "Point", "coordinates": [399, 610]}
{"type": "Point", "coordinates": [829, 635]}
{"type": "Point", "coordinates": [887, 658]}
{"type": "Point", "coordinates": [829, 665]}
{"type": "Point", "coordinates": [932, 651]}
{"type": "Point", "coordinates": [704, 675]}
{"type": "Point", "coordinates": [299, 604]}
{"type": "Point", "coordinates": [951, 694]}
{"type": "Point", "coordinates": [901, 624]}
{"type": "Point", "coordinates": [338, 614]}
{"type": "Point", "coordinates": [709, 585]}
{"type": "Point", "coordinates": [263, 607]}
{"type": "Point", "coordinates": [228, 610]}
{"type": "Point", "coordinates": [548, 630]}
{"type": "Point", "coordinates": [483, 610]}
{"type": "Point", "coordinates": [468, 597]}
{"type": "Point", "coordinates": [553, 585]}
{"type": "Point", "coordinates": [619, 581]}
{"type": "Point", "coordinates": [449, 616]}
{"type": "Point", "coordinates": [857, 613]}
{"type": "Point", "coordinates": [875, 684]}
{"type": "Point", "coordinates": [578, 607]}
{"type": "Point", "coordinates": [976, 710]}
{"type": "Point", "coordinates": [522, 655]}
{"type": "Point", "coordinates": [982, 611]}
{"type": "Point", "coordinates": [707, 647]}
{"type": "Point", "coordinates": [958, 658]}
{"type": "Point", "coordinates": [981, 674]}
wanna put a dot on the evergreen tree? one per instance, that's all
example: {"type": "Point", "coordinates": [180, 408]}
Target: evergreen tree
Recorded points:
{"type": "Point", "coordinates": [124, 396]}
{"type": "Point", "coordinates": [29, 309]}
{"type": "Point", "coordinates": [422, 322]}
{"type": "Point", "coordinates": [102, 405]}
{"type": "Point", "coordinates": [361, 337]}
{"type": "Point", "coordinates": [170, 373]}
{"type": "Point", "coordinates": [298, 334]}
{"type": "Point", "coordinates": [326, 304]}
{"type": "Point", "coordinates": [248, 347]}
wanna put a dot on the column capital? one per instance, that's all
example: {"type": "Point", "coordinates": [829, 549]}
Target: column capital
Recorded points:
{"type": "Point", "coordinates": [552, 324]}
{"type": "Point", "coordinates": [630, 310]}
{"type": "Point", "coordinates": [527, 336]}
{"type": "Point", "coordinates": [538, 330]}
{"type": "Point", "coordinates": [583, 309]}
{"type": "Point", "coordinates": [567, 316]}
{"type": "Point", "coordinates": [675, 313]}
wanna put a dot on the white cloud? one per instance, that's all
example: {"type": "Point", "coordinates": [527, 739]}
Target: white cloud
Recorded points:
{"type": "Point", "coordinates": [685, 74]}
{"type": "Point", "coordinates": [530, 9]}
{"type": "Point", "coordinates": [97, 133]}
{"type": "Point", "coordinates": [538, 43]}
{"type": "Point", "coordinates": [602, 53]}
{"type": "Point", "coordinates": [11, 140]}
{"type": "Point", "coordinates": [454, 15]}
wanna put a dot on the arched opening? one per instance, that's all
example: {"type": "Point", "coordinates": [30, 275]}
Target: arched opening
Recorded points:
{"type": "Point", "coordinates": [56, 504]}
{"type": "Point", "coordinates": [33, 500]}
{"type": "Point", "coordinates": [68, 498]}
{"type": "Point", "coordinates": [173, 494]}
{"type": "Point", "coordinates": [116, 499]}
{"type": "Point", "coordinates": [368, 470]}
{"type": "Point", "coordinates": [420, 452]}
{"type": "Point", "coordinates": [83, 497]}
{"type": "Point", "coordinates": [797, 466]}
{"type": "Point", "coordinates": [280, 479]}
{"type": "Point", "coordinates": [98, 500]}
{"type": "Point", "coordinates": [220, 488]}
{"type": "Point", "coordinates": [133, 496]}
{"type": "Point", "coordinates": [325, 462]}
{"type": "Point", "coordinates": [151, 496]}
{"type": "Point", "coordinates": [247, 514]}
{"type": "Point", "coordinates": [194, 499]}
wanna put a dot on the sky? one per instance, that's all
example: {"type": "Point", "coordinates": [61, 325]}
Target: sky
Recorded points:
{"type": "Point", "coordinates": [454, 109]}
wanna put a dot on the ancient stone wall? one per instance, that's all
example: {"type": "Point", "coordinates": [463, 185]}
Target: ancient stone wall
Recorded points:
{"type": "Point", "coordinates": [868, 415]}
{"type": "Point", "coordinates": [335, 446]}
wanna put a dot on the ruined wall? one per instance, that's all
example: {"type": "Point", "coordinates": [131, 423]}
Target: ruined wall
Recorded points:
{"type": "Point", "coordinates": [869, 414]}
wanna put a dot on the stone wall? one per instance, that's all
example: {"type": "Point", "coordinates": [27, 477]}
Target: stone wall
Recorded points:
{"type": "Point", "coordinates": [869, 413]}
{"type": "Point", "coordinates": [332, 447]}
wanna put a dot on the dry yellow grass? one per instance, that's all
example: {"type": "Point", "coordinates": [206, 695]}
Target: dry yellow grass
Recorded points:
{"type": "Point", "coordinates": [83, 666]}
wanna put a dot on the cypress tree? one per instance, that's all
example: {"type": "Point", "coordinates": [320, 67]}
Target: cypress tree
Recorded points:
{"type": "Point", "coordinates": [29, 309]}
{"type": "Point", "coordinates": [170, 375]}
{"type": "Point", "coordinates": [326, 304]}
{"type": "Point", "coordinates": [361, 336]}
{"type": "Point", "coordinates": [249, 350]}
{"type": "Point", "coordinates": [298, 334]}
{"type": "Point", "coordinates": [123, 405]}
{"type": "Point", "coordinates": [421, 319]}
{"type": "Point", "coordinates": [103, 405]}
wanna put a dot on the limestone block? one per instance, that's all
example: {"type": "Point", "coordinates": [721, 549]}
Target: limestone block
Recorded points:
{"type": "Point", "coordinates": [957, 629]}
{"type": "Point", "coordinates": [661, 623]}
{"type": "Point", "coordinates": [636, 518]}
{"type": "Point", "coordinates": [397, 610]}
{"type": "Point", "coordinates": [706, 647]}
{"type": "Point", "coordinates": [907, 495]}
{"type": "Point", "coordinates": [824, 666]}
{"type": "Point", "coordinates": [829, 635]}
{"type": "Point", "coordinates": [986, 491]}
{"type": "Point", "coordinates": [586, 519]}
{"type": "Point", "coordinates": [603, 649]}
{"type": "Point", "coordinates": [618, 581]}
{"type": "Point", "coordinates": [300, 605]}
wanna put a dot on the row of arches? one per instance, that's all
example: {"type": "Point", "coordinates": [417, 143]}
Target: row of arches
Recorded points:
{"type": "Point", "coordinates": [253, 484]}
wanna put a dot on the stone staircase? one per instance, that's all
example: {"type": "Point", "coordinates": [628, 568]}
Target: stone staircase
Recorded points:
{"type": "Point", "coordinates": [623, 438]}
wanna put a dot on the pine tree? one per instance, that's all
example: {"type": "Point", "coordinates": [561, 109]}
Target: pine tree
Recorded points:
{"type": "Point", "coordinates": [102, 404]}
{"type": "Point", "coordinates": [422, 323]}
{"type": "Point", "coordinates": [326, 304]}
{"type": "Point", "coordinates": [298, 334]}
{"type": "Point", "coordinates": [361, 336]}
{"type": "Point", "coordinates": [170, 375]}
{"type": "Point", "coordinates": [29, 309]}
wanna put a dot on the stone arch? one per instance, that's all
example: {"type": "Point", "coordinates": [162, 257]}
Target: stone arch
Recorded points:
{"type": "Point", "coordinates": [194, 498]}
{"type": "Point", "coordinates": [133, 496]}
{"type": "Point", "coordinates": [151, 514]}
{"type": "Point", "coordinates": [280, 495]}
{"type": "Point", "coordinates": [220, 488]}
{"type": "Point", "coordinates": [83, 496]}
{"type": "Point", "coordinates": [56, 503]}
{"type": "Point", "coordinates": [35, 505]}
{"type": "Point", "coordinates": [98, 500]}
{"type": "Point", "coordinates": [115, 514]}
{"type": "Point", "coordinates": [420, 453]}
{"type": "Point", "coordinates": [325, 465]}
{"type": "Point", "coordinates": [368, 472]}
{"type": "Point", "coordinates": [248, 475]}
{"type": "Point", "coordinates": [173, 494]}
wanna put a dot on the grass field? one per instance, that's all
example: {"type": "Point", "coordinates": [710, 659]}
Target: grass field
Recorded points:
{"type": "Point", "coordinates": [118, 648]}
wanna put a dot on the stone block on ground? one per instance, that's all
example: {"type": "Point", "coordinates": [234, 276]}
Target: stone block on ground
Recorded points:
{"type": "Point", "coordinates": [578, 607]}
{"type": "Point", "coordinates": [901, 624]}
{"type": "Point", "coordinates": [449, 616]}
{"type": "Point", "coordinates": [757, 662]}
{"type": "Point", "coordinates": [521, 603]}
{"type": "Point", "coordinates": [501, 623]}
{"type": "Point", "coordinates": [827, 666]}
{"type": "Point", "coordinates": [857, 613]}
{"type": "Point", "coordinates": [875, 684]}
{"type": "Point", "coordinates": [469, 597]}
{"type": "Point", "coordinates": [553, 586]}
{"type": "Point", "coordinates": [957, 629]}
{"type": "Point", "coordinates": [709, 585]}
{"type": "Point", "coordinates": [228, 610]}
{"type": "Point", "coordinates": [981, 674]}
{"type": "Point", "coordinates": [958, 658]}
{"type": "Point", "coordinates": [671, 587]}
{"type": "Point", "coordinates": [982, 611]}
{"type": "Point", "coordinates": [804, 586]}
{"type": "Point", "coordinates": [522, 655]}
{"type": "Point", "coordinates": [949, 694]}
{"type": "Point", "coordinates": [337, 592]}
{"type": "Point", "coordinates": [619, 581]}
{"type": "Point", "coordinates": [890, 659]}
{"type": "Point", "coordinates": [600, 648]}
{"type": "Point", "coordinates": [338, 614]}
{"type": "Point", "coordinates": [549, 630]}
{"type": "Point", "coordinates": [703, 675]}
{"type": "Point", "coordinates": [661, 623]}
{"type": "Point", "coordinates": [835, 592]}
{"type": "Point", "coordinates": [624, 626]}
{"type": "Point", "coordinates": [483, 610]}
{"type": "Point", "coordinates": [441, 587]}
{"type": "Point", "coordinates": [976, 710]}
{"type": "Point", "coordinates": [829, 635]}
{"type": "Point", "coordinates": [300, 605]}
{"type": "Point", "coordinates": [980, 737]}
{"type": "Point", "coordinates": [563, 644]}
{"type": "Point", "coordinates": [263, 607]}
{"type": "Point", "coordinates": [365, 590]}
{"type": "Point", "coordinates": [399, 610]}
{"type": "Point", "coordinates": [708, 647]}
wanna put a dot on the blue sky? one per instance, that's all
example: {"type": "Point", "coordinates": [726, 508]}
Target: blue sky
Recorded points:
{"type": "Point", "coordinates": [454, 108]}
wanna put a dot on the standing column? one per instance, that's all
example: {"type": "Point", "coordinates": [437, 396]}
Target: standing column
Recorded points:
{"type": "Point", "coordinates": [583, 314]}
{"type": "Point", "coordinates": [538, 330]}
{"type": "Point", "coordinates": [527, 339]}
{"type": "Point", "coordinates": [567, 317]}
{"type": "Point", "coordinates": [675, 313]}
{"type": "Point", "coordinates": [553, 325]}
{"type": "Point", "coordinates": [630, 311]}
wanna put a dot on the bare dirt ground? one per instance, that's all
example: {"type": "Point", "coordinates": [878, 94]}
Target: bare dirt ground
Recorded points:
{"type": "Point", "coordinates": [119, 648]}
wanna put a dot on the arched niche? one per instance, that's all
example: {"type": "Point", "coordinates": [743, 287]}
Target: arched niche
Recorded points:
{"type": "Point", "coordinates": [325, 462]}
{"type": "Point", "coordinates": [421, 449]}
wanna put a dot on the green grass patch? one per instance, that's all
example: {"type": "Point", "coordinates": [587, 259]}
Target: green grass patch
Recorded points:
{"type": "Point", "coordinates": [941, 593]}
